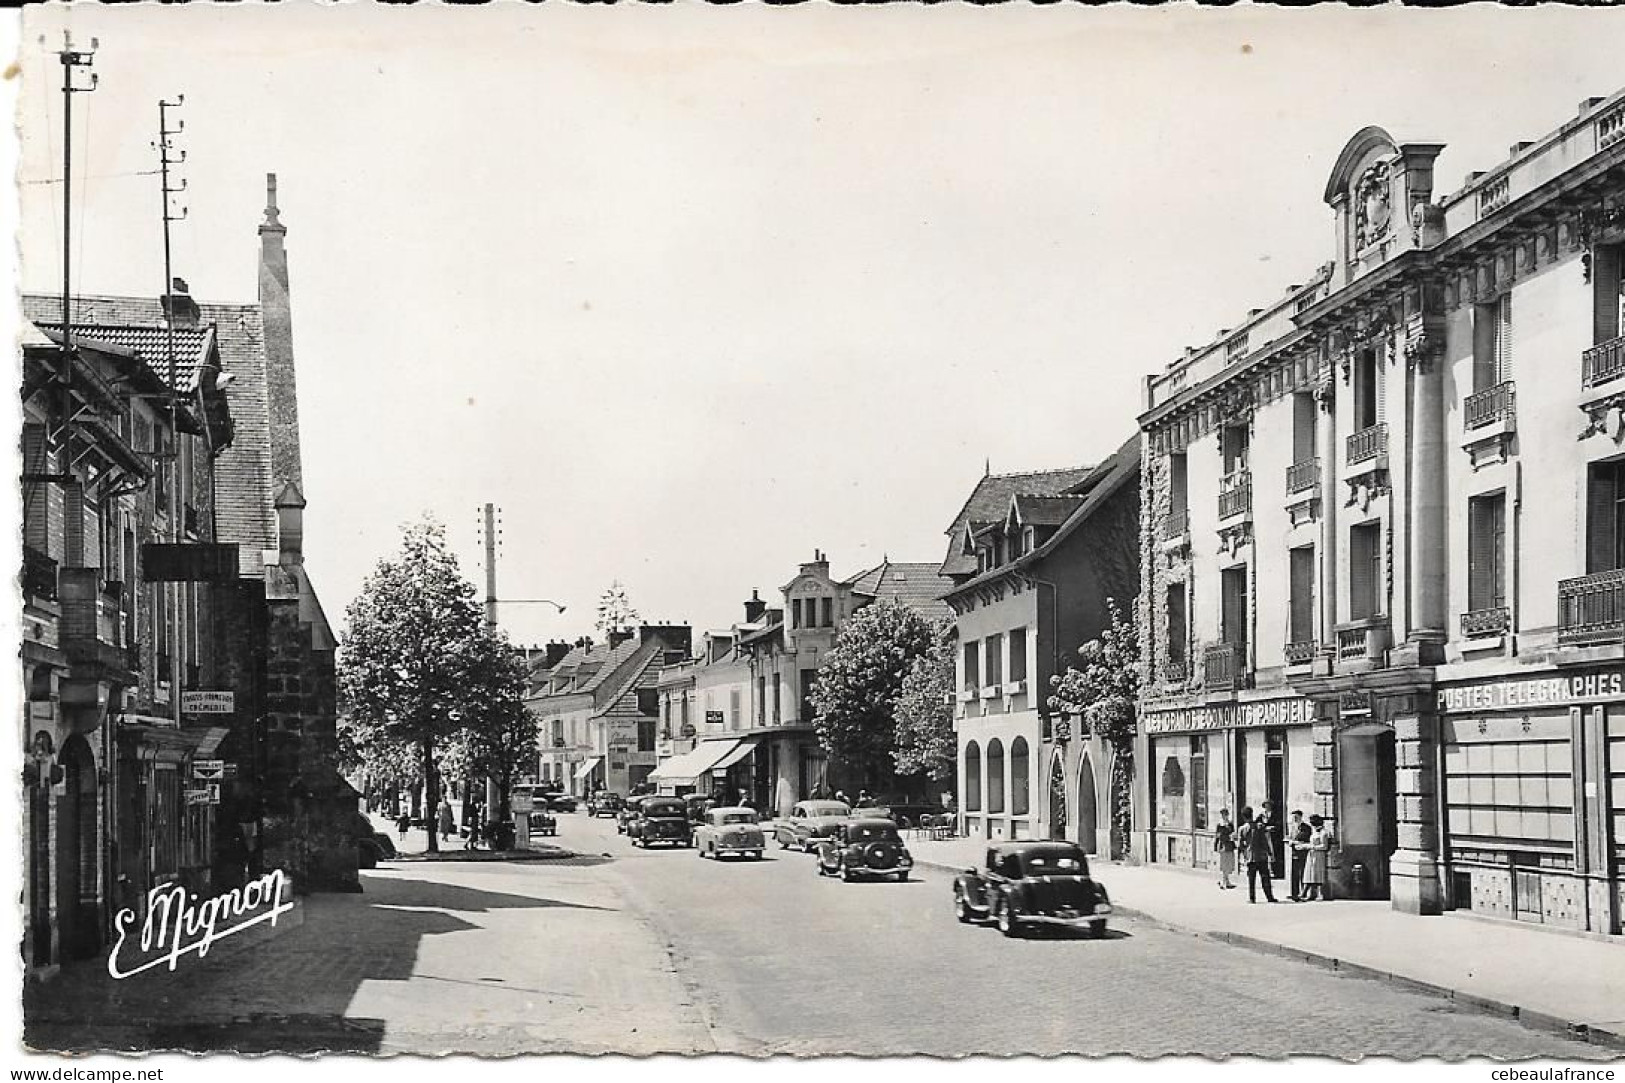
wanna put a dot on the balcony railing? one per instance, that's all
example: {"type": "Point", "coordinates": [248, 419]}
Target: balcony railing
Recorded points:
{"type": "Point", "coordinates": [1591, 609]}
{"type": "Point", "coordinates": [1478, 623]}
{"type": "Point", "coordinates": [39, 575]}
{"type": "Point", "coordinates": [1602, 363]}
{"type": "Point", "coordinates": [1367, 444]}
{"type": "Point", "coordinates": [1351, 644]}
{"type": "Point", "coordinates": [1176, 525]}
{"type": "Point", "coordinates": [1303, 477]}
{"type": "Point", "coordinates": [1173, 671]}
{"type": "Point", "coordinates": [1489, 406]}
{"type": "Point", "coordinates": [1235, 494]}
{"type": "Point", "coordinates": [1301, 652]}
{"type": "Point", "coordinates": [1221, 667]}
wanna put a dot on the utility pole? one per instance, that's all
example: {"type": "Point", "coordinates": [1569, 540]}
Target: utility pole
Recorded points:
{"type": "Point", "coordinates": [71, 58]}
{"type": "Point", "coordinates": [170, 459]}
{"type": "Point", "coordinates": [491, 531]}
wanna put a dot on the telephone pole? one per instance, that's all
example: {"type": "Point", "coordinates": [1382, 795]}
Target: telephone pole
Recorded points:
{"type": "Point", "coordinates": [169, 459]}
{"type": "Point", "coordinates": [71, 59]}
{"type": "Point", "coordinates": [491, 530]}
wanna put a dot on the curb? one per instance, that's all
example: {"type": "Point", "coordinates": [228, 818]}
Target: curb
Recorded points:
{"type": "Point", "coordinates": [1584, 1032]}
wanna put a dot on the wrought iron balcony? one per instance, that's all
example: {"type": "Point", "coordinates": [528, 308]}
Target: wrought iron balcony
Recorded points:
{"type": "Point", "coordinates": [1303, 477]}
{"type": "Point", "coordinates": [39, 575]}
{"type": "Point", "coordinates": [1498, 403]}
{"type": "Point", "coordinates": [1301, 652]}
{"type": "Point", "coordinates": [1363, 640]}
{"type": "Point", "coordinates": [1591, 609]}
{"type": "Point", "coordinates": [1602, 363]}
{"type": "Point", "coordinates": [1176, 525]}
{"type": "Point", "coordinates": [1235, 494]}
{"type": "Point", "coordinates": [1222, 667]}
{"type": "Point", "coordinates": [1367, 444]}
{"type": "Point", "coordinates": [1478, 623]}
{"type": "Point", "coordinates": [1174, 672]}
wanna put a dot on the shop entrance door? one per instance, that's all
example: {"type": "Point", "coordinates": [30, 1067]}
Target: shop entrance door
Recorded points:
{"type": "Point", "coordinates": [1275, 793]}
{"type": "Point", "coordinates": [1367, 826]}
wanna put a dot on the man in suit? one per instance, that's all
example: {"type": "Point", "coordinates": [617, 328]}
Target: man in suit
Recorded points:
{"type": "Point", "coordinates": [1297, 839]}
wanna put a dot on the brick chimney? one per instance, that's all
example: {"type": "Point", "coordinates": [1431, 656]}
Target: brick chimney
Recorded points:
{"type": "Point", "coordinates": [754, 608]}
{"type": "Point", "coordinates": [179, 306]}
{"type": "Point", "coordinates": [556, 650]}
{"type": "Point", "coordinates": [619, 636]}
{"type": "Point", "coordinates": [277, 317]}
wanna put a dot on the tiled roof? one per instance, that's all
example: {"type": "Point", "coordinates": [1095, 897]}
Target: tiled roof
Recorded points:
{"type": "Point", "coordinates": [244, 512]}
{"type": "Point", "coordinates": [151, 345]}
{"type": "Point", "coordinates": [918, 586]}
{"type": "Point", "coordinates": [1036, 510]}
{"type": "Point", "coordinates": [990, 500]}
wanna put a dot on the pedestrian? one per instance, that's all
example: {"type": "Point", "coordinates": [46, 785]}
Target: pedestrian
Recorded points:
{"type": "Point", "coordinates": [472, 827]}
{"type": "Point", "coordinates": [402, 822]}
{"type": "Point", "coordinates": [840, 795]}
{"type": "Point", "coordinates": [448, 826]}
{"type": "Point", "coordinates": [1254, 839]}
{"type": "Point", "coordinates": [1298, 839]}
{"type": "Point", "coordinates": [1270, 821]}
{"type": "Point", "coordinates": [864, 800]}
{"type": "Point", "coordinates": [1224, 848]}
{"type": "Point", "coordinates": [1314, 872]}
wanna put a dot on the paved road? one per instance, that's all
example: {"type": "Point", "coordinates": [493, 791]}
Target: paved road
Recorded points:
{"type": "Point", "coordinates": [660, 951]}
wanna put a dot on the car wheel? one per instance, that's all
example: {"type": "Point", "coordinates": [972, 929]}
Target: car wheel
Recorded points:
{"type": "Point", "coordinates": [961, 907]}
{"type": "Point", "coordinates": [1096, 930]}
{"type": "Point", "coordinates": [1009, 919]}
{"type": "Point", "coordinates": [783, 844]}
{"type": "Point", "coordinates": [902, 877]}
{"type": "Point", "coordinates": [846, 875]}
{"type": "Point", "coordinates": [756, 855]}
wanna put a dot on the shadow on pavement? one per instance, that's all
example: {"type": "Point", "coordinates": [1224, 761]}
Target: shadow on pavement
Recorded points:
{"type": "Point", "coordinates": [396, 893]}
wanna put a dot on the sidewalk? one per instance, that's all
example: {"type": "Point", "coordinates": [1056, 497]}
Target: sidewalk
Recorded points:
{"type": "Point", "coordinates": [414, 846]}
{"type": "Point", "coordinates": [1541, 978]}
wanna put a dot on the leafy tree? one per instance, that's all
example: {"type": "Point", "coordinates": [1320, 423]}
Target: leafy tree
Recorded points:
{"type": "Point", "coordinates": [924, 713]}
{"type": "Point", "coordinates": [499, 738]}
{"type": "Point", "coordinates": [410, 661]}
{"type": "Point", "coordinates": [1101, 692]}
{"type": "Point", "coordinates": [859, 682]}
{"type": "Point", "coordinates": [615, 610]}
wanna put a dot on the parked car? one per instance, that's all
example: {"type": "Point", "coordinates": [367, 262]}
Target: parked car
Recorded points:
{"type": "Point", "coordinates": [729, 831]}
{"type": "Point", "coordinates": [661, 819]}
{"type": "Point", "coordinates": [1032, 883]}
{"type": "Point", "coordinates": [561, 802]}
{"type": "Point", "coordinates": [864, 847]}
{"type": "Point", "coordinates": [809, 822]}
{"type": "Point", "coordinates": [627, 813]}
{"type": "Point", "coordinates": [543, 822]}
{"type": "Point", "coordinates": [373, 848]}
{"type": "Point", "coordinates": [698, 804]}
{"type": "Point", "coordinates": [605, 803]}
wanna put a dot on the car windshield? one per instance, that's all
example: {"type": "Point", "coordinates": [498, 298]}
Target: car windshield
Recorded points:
{"type": "Point", "coordinates": [827, 808]}
{"type": "Point", "coordinates": [663, 808]}
{"type": "Point", "coordinates": [870, 833]}
{"type": "Point", "coordinates": [1054, 861]}
{"type": "Point", "coordinates": [737, 818]}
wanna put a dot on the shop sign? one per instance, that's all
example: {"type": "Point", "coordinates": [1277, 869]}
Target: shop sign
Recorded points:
{"type": "Point", "coordinates": [208, 702]}
{"type": "Point", "coordinates": [1561, 691]}
{"type": "Point", "coordinates": [208, 770]}
{"type": "Point", "coordinates": [204, 795]}
{"type": "Point", "coordinates": [713, 718]}
{"type": "Point", "coordinates": [1226, 716]}
{"type": "Point", "coordinates": [522, 801]}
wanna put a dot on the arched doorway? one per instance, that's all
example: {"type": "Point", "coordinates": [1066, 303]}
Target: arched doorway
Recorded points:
{"type": "Point", "coordinates": [1057, 799]}
{"type": "Point", "coordinates": [78, 852]}
{"type": "Point", "coordinates": [1086, 804]}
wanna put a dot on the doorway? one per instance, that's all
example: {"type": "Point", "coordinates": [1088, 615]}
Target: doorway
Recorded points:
{"type": "Point", "coordinates": [1087, 826]}
{"type": "Point", "coordinates": [79, 854]}
{"type": "Point", "coordinates": [1275, 792]}
{"type": "Point", "coordinates": [1367, 821]}
{"type": "Point", "coordinates": [1057, 800]}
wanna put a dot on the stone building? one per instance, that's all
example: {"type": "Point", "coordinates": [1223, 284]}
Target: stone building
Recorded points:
{"type": "Point", "coordinates": [1034, 559]}
{"type": "Point", "coordinates": [1381, 524]}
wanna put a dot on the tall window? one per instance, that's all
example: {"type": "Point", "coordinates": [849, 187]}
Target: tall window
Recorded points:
{"type": "Point", "coordinates": [809, 681]}
{"type": "Point", "coordinates": [1301, 609]}
{"type": "Point", "coordinates": [1608, 284]}
{"type": "Point", "coordinates": [995, 776]}
{"type": "Point", "coordinates": [995, 659]}
{"type": "Point", "coordinates": [973, 679]}
{"type": "Point", "coordinates": [1304, 419]}
{"type": "Point", "coordinates": [973, 777]}
{"type": "Point", "coordinates": [1605, 517]}
{"type": "Point", "coordinates": [1492, 342]}
{"type": "Point", "coordinates": [795, 612]}
{"type": "Point", "coordinates": [1233, 614]}
{"type": "Point", "coordinates": [1018, 777]}
{"type": "Point", "coordinates": [1234, 442]}
{"type": "Point", "coordinates": [733, 708]}
{"type": "Point", "coordinates": [761, 700]}
{"type": "Point", "coordinates": [646, 735]}
{"type": "Point", "coordinates": [778, 699]}
{"type": "Point", "coordinates": [1018, 654]}
{"type": "Point", "coordinates": [1365, 571]}
{"type": "Point", "coordinates": [1486, 552]}
{"type": "Point", "coordinates": [1178, 484]}
{"type": "Point", "coordinates": [1178, 645]}
{"type": "Point", "coordinates": [1367, 389]}
{"type": "Point", "coordinates": [827, 606]}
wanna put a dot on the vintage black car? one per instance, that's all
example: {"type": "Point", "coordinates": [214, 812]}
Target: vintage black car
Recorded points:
{"type": "Point", "coordinates": [698, 805]}
{"type": "Point", "coordinates": [663, 820]}
{"type": "Point", "coordinates": [560, 802]}
{"type": "Point", "coordinates": [605, 803]}
{"type": "Point", "coordinates": [1033, 883]}
{"type": "Point", "coordinates": [627, 813]}
{"type": "Point", "coordinates": [868, 847]}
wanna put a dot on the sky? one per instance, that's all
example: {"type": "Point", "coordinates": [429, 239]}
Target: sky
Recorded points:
{"type": "Point", "coordinates": [691, 292]}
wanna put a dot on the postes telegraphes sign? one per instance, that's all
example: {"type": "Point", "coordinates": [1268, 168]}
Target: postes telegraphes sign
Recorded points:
{"type": "Point", "coordinates": [1564, 691]}
{"type": "Point", "coordinates": [1226, 716]}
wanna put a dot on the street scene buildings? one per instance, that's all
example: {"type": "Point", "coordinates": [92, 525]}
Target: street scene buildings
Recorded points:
{"type": "Point", "coordinates": [1355, 560]}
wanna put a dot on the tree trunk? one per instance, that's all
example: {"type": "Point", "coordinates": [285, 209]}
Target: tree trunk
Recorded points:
{"type": "Point", "coordinates": [430, 795]}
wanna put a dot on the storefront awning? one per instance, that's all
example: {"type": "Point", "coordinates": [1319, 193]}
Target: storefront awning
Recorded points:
{"type": "Point", "coordinates": [692, 765]}
{"type": "Point", "coordinates": [586, 767]}
{"type": "Point", "coordinates": [744, 748]}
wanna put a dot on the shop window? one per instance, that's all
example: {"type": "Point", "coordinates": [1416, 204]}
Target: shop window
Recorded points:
{"type": "Point", "coordinates": [1511, 795]}
{"type": "Point", "coordinates": [1018, 655]}
{"type": "Point", "coordinates": [973, 777]}
{"type": "Point", "coordinates": [1173, 773]}
{"type": "Point", "coordinates": [1198, 782]}
{"type": "Point", "coordinates": [1018, 777]}
{"type": "Point", "coordinates": [1365, 571]}
{"type": "Point", "coordinates": [995, 776]}
{"type": "Point", "coordinates": [1486, 552]}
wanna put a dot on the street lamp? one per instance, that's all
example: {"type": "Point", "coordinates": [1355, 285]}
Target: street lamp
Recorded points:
{"type": "Point", "coordinates": [527, 601]}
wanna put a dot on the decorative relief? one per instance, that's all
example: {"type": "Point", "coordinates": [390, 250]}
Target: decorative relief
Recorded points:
{"type": "Point", "coordinates": [1597, 417]}
{"type": "Point", "coordinates": [1365, 488]}
{"type": "Point", "coordinates": [1232, 538]}
{"type": "Point", "coordinates": [1373, 212]}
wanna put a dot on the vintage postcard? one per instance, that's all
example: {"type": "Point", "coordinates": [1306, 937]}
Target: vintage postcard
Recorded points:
{"type": "Point", "coordinates": [462, 453]}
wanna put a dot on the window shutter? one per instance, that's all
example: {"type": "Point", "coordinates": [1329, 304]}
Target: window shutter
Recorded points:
{"type": "Point", "coordinates": [1484, 346]}
{"type": "Point", "coordinates": [1600, 497]}
{"type": "Point", "coordinates": [1503, 340]}
{"type": "Point", "coordinates": [1362, 578]}
{"type": "Point", "coordinates": [1498, 552]}
{"type": "Point", "coordinates": [37, 514]}
{"type": "Point", "coordinates": [1480, 566]}
{"type": "Point", "coordinates": [1608, 299]}
{"type": "Point", "coordinates": [1302, 602]}
{"type": "Point", "coordinates": [73, 544]}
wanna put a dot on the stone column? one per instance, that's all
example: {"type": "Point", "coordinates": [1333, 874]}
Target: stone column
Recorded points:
{"type": "Point", "coordinates": [1426, 525]}
{"type": "Point", "coordinates": [1326, 436]}
{"type": "Point", "coordinates": [1413, 872]}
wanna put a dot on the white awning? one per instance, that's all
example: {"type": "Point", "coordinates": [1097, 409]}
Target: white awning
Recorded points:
{"type": "Point", "coordinates": [586, 767]}
{"type": "Point", "coordinates": [691, 766]}
{"type": "Point", "coordinates": [744, 748]}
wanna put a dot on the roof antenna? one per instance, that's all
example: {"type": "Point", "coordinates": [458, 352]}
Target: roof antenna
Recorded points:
{"type": "Point", "coordinates": [987, 467]}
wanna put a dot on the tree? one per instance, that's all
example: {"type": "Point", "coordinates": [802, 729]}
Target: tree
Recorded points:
{"type": "Point", "coordinates": [924, 713]}
{"type": "Point", "coordinates": [615, 611]}
{"type": "Point", "coordinates": [1101, 692]}
{"type": "Point", "coordinates": [410, 657]}
{"type": "Point", "coordinates": [500, 735]}
{"type": "Point", "coordinates": [859, 682]}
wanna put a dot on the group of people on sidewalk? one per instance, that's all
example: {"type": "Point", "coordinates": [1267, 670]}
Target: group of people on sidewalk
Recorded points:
{"type": "Point", "coordinates": [1254, 840]}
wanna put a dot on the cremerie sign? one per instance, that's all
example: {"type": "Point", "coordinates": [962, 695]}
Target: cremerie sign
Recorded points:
{"type": "Point", "coordinates": [1561, 691]}
{"type": "Point", "coordinates": [1227, 716]}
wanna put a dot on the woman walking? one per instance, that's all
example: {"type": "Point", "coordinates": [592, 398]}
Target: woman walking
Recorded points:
{"type": "Point", "coordinates": [1314, 870]}
{"type": "Point", "coordinates": [1224, 848]}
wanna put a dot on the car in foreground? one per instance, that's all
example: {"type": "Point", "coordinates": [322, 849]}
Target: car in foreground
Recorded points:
{"type": "Point", "coordinates": [661, 820]}
{"type": "Point", "coordinates": [605, 803]}
{"type": "Point", "coordinates": [809, 822]}
{"type": "Point", "coordinates": [865, 848]}
{"type": "Point", "coordinates": [627, 813]}
{"type": "Point", "coordinates": [729, 831]}
{"type": "Point", "coordinates": [1033, 883]}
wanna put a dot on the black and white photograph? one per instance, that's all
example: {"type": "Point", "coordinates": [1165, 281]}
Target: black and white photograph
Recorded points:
{"type": "Point", "coordinates": [816, 530]}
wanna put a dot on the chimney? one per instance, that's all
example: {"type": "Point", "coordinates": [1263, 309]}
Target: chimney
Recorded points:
{"type": "Point", "coordinates": [276, 315]}
{"type": "Point", "coordinates": [754, 608]}
{"type": "Point", "coordinates": [179, 306]}
{"type": "Point", "coordinates": [290, 525]}
{"type": "Point", "coordinates": [618, 636]}
{"type": "Point", "coordinates": [556, 650]}
{"type": "Point", "coordinates": [1589, 104]}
